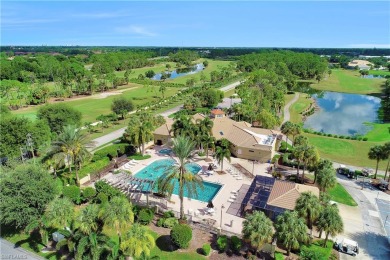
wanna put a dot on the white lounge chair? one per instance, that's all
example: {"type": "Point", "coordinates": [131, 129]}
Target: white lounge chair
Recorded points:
{"type": "Point", "coordinates": [233, 196]}
{"type": "Point", "coordinates": [230, 200]}
{"type": "Point", "coordinates": [234, 192]}
{"type": "Point", "coordinates": [239, 178]}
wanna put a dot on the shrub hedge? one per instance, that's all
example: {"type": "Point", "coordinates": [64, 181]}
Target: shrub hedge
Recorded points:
{"type": "Point", "coordinates": [181, 235]}
{"type": "Point", "coordinates": [235, 244]}
{"type": "Point", "coordinates": [145, 216]}
{"type": "Point", "coordinates": [206, 249]}
{"type": "Point", "coordinates": [89, 193]}
{"type": "Point", "coordinates": [222, 242]}
{"type": "Point", "coordinates": [72, 192]}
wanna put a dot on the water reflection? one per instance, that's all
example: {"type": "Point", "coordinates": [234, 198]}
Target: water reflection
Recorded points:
{"type": "Point", "coordinates": [180, 72]}
{"type": "Point", "coordinates": [343, 114]}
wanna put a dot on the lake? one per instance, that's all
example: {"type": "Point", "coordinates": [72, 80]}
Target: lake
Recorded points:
{"type": "Point", "coordinates": [343, 114]}
{"type": "Point", "coordinates": [181, 72]}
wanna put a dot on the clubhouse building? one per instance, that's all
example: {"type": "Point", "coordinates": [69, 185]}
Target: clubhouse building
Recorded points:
{"type": "Point", "coordinates": [246, 142]}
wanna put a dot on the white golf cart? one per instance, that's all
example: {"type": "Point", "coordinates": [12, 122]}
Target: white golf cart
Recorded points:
{"type": "Point", "coordinates": [347, 246]}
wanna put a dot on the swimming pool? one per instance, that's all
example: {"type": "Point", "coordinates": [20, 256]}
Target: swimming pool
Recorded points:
{"type": "Point", "coordinates": [154, 170]}
{"type": "Point", "coordinates": [165, 151]}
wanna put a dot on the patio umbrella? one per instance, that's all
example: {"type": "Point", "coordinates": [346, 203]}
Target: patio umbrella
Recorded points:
{"type": "Point", "coordinates": [210, 204]}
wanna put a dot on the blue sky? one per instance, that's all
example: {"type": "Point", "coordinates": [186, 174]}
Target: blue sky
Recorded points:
{"type": "Point", "coordinates": [206, 23]}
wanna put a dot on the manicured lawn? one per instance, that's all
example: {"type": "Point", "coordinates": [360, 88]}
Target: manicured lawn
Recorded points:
{"type": "Point", "coordinates": [25, 241]}
{"type": "Point", "coordinates": [379, 72]}
{"type": "Point", "coordinates": [317, 246]}
{"type": "Point", "coordinates": [164, 254]}
{"type": "Point", "coordinates": [349, 81]}
{"type": "Point", "coordinates": [298, 107]}
{"type": "Point", "coordinates": [379, 132]}
{"type": "Point", "coordinates": [344, 151]}
{"type": "Point", "coordinates": [279, 256]}
{"type": "Point", "coordinates": [340, 195]}
{"type": "Point", "coordinates": [92, 107]}
{"type": "Point", "coordinates": [229, 93]}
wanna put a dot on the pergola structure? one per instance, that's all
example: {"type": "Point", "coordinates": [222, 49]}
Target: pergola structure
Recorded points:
{"type": "Point", "coordinates": [257, 198]}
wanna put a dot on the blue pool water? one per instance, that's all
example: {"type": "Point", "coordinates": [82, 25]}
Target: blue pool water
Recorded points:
{"type": "Point", "coordinates": [154, 170]}
{"type": "Point", "coordinates": [165, 151]}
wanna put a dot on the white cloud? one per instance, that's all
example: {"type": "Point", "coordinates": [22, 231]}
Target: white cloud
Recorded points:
{"type": "Point", "coordinates": [369, 45]}
{"type": "Point", "coordinates": [136, 30]}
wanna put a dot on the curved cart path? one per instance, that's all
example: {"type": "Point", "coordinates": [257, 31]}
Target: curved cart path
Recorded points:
{"type": "Point", "coordinates": [286, 110]}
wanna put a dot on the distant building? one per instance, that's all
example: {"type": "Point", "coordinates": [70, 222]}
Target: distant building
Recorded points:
{"type": "Point", "coordinates": [361, 64]}
{"type": "Point", "coordinates": [273, 196]}
{"type": "Point", "coordinates": [246, 142]}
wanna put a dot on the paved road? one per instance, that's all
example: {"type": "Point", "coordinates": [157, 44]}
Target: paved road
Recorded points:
{"type": "Point", "coordinates": [364, 223]}
{"type": "Point", "coordinates": [286, 110]}
{"type": "Point", "coordinates": [9, 251]}
{"type": "Point", "coordinates": [118, 133]}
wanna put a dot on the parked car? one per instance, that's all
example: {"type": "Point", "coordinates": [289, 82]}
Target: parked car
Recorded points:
{"type": "Point", "coordinates": [346, 246]}
{"type": "Point", "coordinates": [346, 171]}
{"type": "Point", "coordinates": [367, 172]}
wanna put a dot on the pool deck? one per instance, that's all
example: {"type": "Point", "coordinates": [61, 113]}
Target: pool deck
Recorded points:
{"type": "Point", "coordinates": [230, 221]}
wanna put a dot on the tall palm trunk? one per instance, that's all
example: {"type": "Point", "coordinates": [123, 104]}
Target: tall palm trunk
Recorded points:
{"type": "Point", "coordinates": [299, 164]}
{"type": "Point", "coordinates": [288, 250]}
{"type": "Point", "coordinates": [303, 173]}
{"type": "Point", "coordinates": [326, 239]}
{"type": "Point", "coordinates": [207, 151]}
{"type": "Point", "coordinates": [181, 194]}
{"type": "Point", "coordinates": [376, 169]}
{"type": "Point", "coordinates": [77, 173]}
{"type": "Point", "coordinates": [387, 168]}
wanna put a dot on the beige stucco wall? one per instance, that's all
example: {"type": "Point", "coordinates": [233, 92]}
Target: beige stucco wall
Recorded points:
{"type": "Point", "coordinates": [257, 154]}
{"type": "Point", "coordinates": [164, 138]}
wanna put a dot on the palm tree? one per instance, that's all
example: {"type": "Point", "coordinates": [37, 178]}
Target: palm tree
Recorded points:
{"type": "Point", "coordinates": [291, 230]}
{"type": "Point", "coordinates": [299, 153]}
{"type": "Point", "coordinates": [71, 145]}
{"type": "Point", "coordinates": [287, 130]}
{"type": "Point", "coordinates": [91, 246]}
{"type": "Point", "coordinates": [301, 140]}
{"type": "Point", "coordinates": [296, 130]}
{"type": "Point", "coordinates": [221, 153]}
{"type": "Point", "coordinates": [54, 162]}
{"type": "Point", "coordinates": [69, 241]}
{"type": "Point", "coordinates": [118, 214]}
{"type": "Point", "coordinates": [310, 157]}
{"type": "Point", "coordinates": [208, 141]}
{"type": "Point", "coordinates": [137, 241]}
{"type": "Point", "coordinates": [183, 126]}
{"type": "Point", "coordinates": [42, 226]}
{"type": "Point", "coordinates": [330, 222]}
{"type": "Point", "coordinates": [321, 164]}
{"type": "Point", "coordinates": [386, 147]}
{"type": "Point", "coordinates": [258, 229]}
{"type": "Point", "coordinates": [377, 153]}
{"type": "Point", "coordinates": [59, 212]}
{"type": "Point", "coordinates": [309, 207]}
{"type": "Point", "coordinates": [88, 219]}
{"type": "Point", "coordinates": [326, 178]}
{"type": "Point", "coordinates": [182, 147]}
{"type": "Point", "coordinates": [145, 134]}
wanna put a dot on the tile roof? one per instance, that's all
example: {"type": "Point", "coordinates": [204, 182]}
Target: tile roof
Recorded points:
{"type": "Point", "coordinates": [165, 129]}
{"type": "Point", "coordinates": [285, 194]}
{"type": "Point", "coordinates": [217, 112]}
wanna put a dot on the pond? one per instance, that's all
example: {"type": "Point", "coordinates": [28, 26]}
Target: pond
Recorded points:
{"type": "Point", "coordinates": [343, 114]}
{"type": "Point", "coordinates": [180, 72]}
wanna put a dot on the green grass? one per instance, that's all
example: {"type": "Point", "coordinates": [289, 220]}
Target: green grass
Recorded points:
{"type": "Point", "coordinates": [92, 107]}
{"type": "Point", "coordinates": [298, 107]}
{"type": "Point", "coordinates": [175, 255]}
{"type": "Point", "coordinates": [139, 157]}
{"type": "Point", "coordinates": [344, 151]}
{"type": "Point", "coordinates": [229, 93]}
{"type": "Point", "coordinates": [379, 72]}
{"type": "Point", "coordinates": [340, 195]}
{"type": "Point", "coordinates": [379, 132]}
{"type": "Point", "coordinates": [317, 246]}
{"type": "Point", "coordinates": [349, 81]}
{"type": "Point", "coordinates": [279, 256]}
{"type": "Point", "coordinates": [25, 241]}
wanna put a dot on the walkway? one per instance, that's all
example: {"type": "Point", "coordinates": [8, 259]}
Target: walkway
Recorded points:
{"type": "Point", "coordinates": [118, 133]}
{"type": "Point", "coordinates": [286, 110]}
{"type": "Point", "coordinates": [9, 251]}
